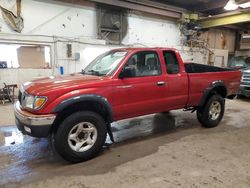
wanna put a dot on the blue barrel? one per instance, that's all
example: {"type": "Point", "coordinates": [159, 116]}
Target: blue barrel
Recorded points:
{"type": "Point", "coordinates": [61, 70]}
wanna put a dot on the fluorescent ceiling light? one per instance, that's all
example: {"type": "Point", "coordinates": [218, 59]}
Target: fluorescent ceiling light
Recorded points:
{"type": "Point", "coordinates": [231, 5]}
{"type": "Point", "coordinates": [245, 5]}
{"type": "Point", "coordinates": [246, 36]}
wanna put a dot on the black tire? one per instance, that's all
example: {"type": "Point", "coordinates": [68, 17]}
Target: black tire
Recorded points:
{"type": "Point", "coordinates": [203, 113]}
{"type": "Point", "coordinates": [165, 112]}
{"type": "Point", "coordinates": [61, 136]}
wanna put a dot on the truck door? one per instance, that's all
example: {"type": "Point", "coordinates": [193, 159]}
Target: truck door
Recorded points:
{"type": "Point", "coordinates": [141, 92]}
{"type": "Point", "coordinates": [176, 78]}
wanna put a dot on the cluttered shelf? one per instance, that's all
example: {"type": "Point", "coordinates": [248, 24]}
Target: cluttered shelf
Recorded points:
{"type": "Point", "coordinates": [7, 93]}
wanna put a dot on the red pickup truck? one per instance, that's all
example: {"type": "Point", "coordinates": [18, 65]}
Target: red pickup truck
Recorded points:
{"type": "Point", "coordinates": [78, 109]}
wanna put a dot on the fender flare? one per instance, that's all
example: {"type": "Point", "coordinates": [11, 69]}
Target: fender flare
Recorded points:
{"type": "Point", "coordinates": [87, 97]}
{"type": "Point", "coordinates": [212, 88]}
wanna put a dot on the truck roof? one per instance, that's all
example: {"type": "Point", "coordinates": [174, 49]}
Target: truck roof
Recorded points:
{"type": "Point", "coordinates": [144, 48]}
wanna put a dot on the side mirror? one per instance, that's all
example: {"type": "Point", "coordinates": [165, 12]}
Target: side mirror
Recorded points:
{"type": "Point", "coordinates": [127, 72]}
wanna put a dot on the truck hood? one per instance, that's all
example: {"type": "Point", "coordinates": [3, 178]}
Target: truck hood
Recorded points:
{"type": "Point", "coordinates": [52, 83]}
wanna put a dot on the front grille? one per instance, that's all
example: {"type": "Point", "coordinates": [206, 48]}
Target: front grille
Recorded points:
{"type": "Point", "coordinates": [20, 97]}
{"type": "Point", "coordinates": [247, 88]}
{"type": "Point", "coordinates": [245, 79]}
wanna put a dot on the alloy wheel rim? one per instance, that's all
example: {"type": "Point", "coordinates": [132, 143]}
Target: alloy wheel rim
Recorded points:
{"type": "Point", "coordinates": [214, 110]}
{"type": "Point", "coordinates": [82, 136]}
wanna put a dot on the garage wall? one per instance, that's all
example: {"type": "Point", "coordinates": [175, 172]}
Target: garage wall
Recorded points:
{"type": "Point", "coordinates": [152, 31]}
{"type": "Point", "coordinates": [59, 25]}
{"type": "Point", "coordinates": [220, 42]}
{"type": "Point", "coordinates": [18, 76]}
{"type": "Point", "coordinates": [59, 20]}
{"type": "Point", "coordinates": [221, 39]}
{"type": "Point", "coordinates": [53, 20]}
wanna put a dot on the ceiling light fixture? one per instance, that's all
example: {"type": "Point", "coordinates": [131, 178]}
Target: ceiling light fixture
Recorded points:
{"type": "Point", "coordinates": [246, 36]}
{"type": "Point", "coordinates": [245, 5]}
{"type": "Point", "coordinates": [231, 5]}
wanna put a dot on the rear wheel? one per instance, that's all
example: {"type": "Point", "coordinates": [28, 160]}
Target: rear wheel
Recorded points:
{"type": "Point", "coordinates": [212, 112]}
{"type": "Point", "coordinates": [80, 136]}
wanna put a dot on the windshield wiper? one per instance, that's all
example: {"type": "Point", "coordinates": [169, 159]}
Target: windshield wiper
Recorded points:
{"type": "Point", "coordinates": [97, 73]}
{"type": "Point", "coordinates": [82, 71]}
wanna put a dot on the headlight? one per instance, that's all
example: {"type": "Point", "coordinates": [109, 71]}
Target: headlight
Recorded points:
{"type": "Point", "coordinates": [34, 103]}
{"type": "Point", "coordinates": [29, 101]}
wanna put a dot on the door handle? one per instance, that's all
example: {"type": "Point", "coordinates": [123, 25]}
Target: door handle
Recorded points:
{"type": "Point", "coordinates": [160, 83]}
{"type": "Point", "coordinates": [123, 87]}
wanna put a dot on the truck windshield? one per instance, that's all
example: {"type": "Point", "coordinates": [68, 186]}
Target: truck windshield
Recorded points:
{"type": "Point", "coordinates": [105, 64]}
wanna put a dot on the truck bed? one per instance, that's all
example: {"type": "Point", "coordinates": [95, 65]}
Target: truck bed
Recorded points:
{"type": "Point", "coordinates": [200, 68]}
{"type": "Point", "coordinates": [201, 76]}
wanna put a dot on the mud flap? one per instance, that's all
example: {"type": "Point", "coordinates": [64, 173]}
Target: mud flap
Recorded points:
{"type": "Point", "coordinates": [110, 132]}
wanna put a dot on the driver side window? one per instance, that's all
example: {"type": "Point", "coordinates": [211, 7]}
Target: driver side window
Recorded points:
{"type": "Point", "coordinates": [144, 64]}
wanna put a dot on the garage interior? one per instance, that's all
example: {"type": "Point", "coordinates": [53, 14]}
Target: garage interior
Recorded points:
{"type": "Point", "coordinates": [41, 38]}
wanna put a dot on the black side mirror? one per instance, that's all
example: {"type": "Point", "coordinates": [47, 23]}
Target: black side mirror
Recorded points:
{"type": "Point", "coordinates": [127, 72]}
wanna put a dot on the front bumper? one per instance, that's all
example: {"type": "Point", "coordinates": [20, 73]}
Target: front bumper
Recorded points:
{"type": "Point", "coordinates": [31, 124]}
{"type": "Point", "coordinates": [244, 91]}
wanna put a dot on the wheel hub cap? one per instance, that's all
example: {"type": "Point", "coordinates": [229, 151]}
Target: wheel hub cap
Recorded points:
{"type": "Point", "coordinates": [82, 136]}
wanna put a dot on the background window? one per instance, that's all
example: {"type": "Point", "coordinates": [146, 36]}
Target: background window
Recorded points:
{"type": "Point", "coordinates": [144, 64]}
{"type": "Point", "coordinates": [171, 61]}
{"type": "Point", "coordinates": [24, 56]}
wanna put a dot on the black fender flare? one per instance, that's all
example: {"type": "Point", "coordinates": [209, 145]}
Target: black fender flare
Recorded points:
{"type": "Point", "coordinates": [209, 90]}
{"type": "Point", "coordinates": [86, 97]}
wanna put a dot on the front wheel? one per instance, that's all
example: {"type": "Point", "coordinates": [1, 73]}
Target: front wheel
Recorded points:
{"type": "Point", "coordinates": [212, 112]}
{"type": "Point", "coordinates": [80, 136]}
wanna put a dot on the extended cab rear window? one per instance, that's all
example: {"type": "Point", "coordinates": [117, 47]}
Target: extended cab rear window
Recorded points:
{"type": "Point", "coordinates": [171, 62]}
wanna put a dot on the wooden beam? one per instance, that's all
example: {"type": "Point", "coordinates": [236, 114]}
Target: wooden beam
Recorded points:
{"type": "Point", "coordinates": [137, 5]}
{"type": "Point", "coordinates": [225, 20]}
{"type": "Point", "coordinates": [142, 7]}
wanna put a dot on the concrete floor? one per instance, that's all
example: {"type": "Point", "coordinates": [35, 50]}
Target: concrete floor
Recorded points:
{"type": "Point", "coordinates": [162, 150]}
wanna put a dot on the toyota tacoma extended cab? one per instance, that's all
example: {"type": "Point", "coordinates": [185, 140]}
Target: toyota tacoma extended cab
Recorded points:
{"type": "Point", "coordinates": [78, 109]}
